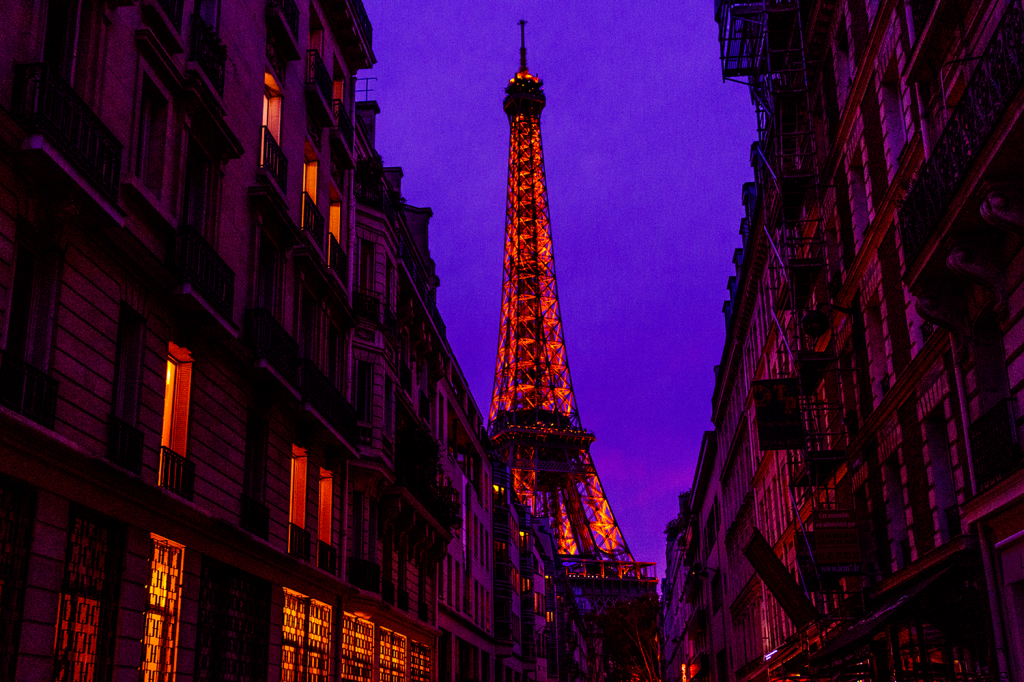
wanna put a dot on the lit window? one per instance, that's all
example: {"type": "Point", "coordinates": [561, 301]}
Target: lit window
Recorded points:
{"type": "Point", "coordinates": [356, 649]}
{"type": "Point", "coordinates": [297, 513]}
{"type": "Point", "coordinates": [306, 639]}
{"type": "Point", "coordinates": [419, 662]}
{"type": "Point", "coordinates": [160, 642]}
{"type": "Point", "coordinates": [392, 656]}
{"type": "Point", "coordinates": [176, 399]}
{"type": "Point", "coordinates": [272, 107]}
{"type": "Point", "coordinates": [325, 527]}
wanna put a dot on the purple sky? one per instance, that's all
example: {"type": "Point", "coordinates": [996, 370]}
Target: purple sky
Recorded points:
{"type": "Point", "coordinates": [646, 151]}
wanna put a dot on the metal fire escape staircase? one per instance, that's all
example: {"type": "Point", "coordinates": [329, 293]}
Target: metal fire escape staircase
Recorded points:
{"type": "Point", "coordinates": [763, 46]}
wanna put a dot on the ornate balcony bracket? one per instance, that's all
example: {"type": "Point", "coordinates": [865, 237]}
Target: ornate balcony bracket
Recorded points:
{"type": "Point", "coordinates": [977, 264]}
{"type": "Point", "coordinates": [1003, 207]}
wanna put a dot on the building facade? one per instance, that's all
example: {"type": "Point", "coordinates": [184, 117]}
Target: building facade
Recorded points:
{"type": "Point", "coordinates": [856, 512]}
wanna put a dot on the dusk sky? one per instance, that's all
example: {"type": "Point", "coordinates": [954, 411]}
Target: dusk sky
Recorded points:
{"type": "Point", "coordinates": [646, 151]}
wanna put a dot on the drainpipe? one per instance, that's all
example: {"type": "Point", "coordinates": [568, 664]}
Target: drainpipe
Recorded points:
{"type": "Point", "coordinates": [994, 602]}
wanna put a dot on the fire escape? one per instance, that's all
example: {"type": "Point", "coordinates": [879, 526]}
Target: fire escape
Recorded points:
{"type": "Point", "coordinates": [768, 46]}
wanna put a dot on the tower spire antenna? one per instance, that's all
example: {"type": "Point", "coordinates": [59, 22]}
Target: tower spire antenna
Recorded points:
{"type": "Point", "coordinates": [522, 45]}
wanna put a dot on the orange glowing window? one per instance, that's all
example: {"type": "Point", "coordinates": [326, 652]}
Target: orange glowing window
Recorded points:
{"type": "Point", "coordinates": [272, 106]}
{"type": "Point", "coordinates": [297, 505]}
{"type": "Point", "coordinates": [356, 649]}
{"type": "Point", "coordinates": [306, 639]}
{"type": "Point", "coordinates": [177, 389]}
{"type": "Point", "coordinates": [419, 662]}
{"type": "Point", "coordinates": [392, 656]}
{"type": "Point", "coordinates": [160, 641]}
{"type": "Point", "coordinates": [325, 519]}
{"type": "Point", "coordinates": [309, 178]}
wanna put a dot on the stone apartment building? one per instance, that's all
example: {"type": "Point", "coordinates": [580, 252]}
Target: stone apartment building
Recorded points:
{"type": "Point", "coordinates": [858, 510]}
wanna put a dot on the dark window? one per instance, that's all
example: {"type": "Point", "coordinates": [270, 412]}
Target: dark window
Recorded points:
{"type": "Point", "coordinates": [357, 525]}
{"type": "Point", "coordinates": [716, 592]}
{"type": "Point", "coordinates": [255, 469]}
{"type": "Point", "coordinates": [234, 625]}
{"type": "Point", "coordinates": [152, 140]}
{"type": "Point", "coordinates": [266, 278]}
{"type": "Point", "coordinates": [196, 195]}
{"type": "Point", "coordinates": [364, 380]}
{"type": "Point", "coordinates": [208, 11]}
{"type": "Point", "coordinates": [128, 365]}
{"type": "Point", "coordinates": [722, 666]}
{"type": "Point", "coordinates": [32, 293]}
{"type": "Point", "coordinates": [367, 264]}
{"type": "Point", "coordinates": [389, 412]}
{"type": "Point", "coordinates": [16, 510]}
{"type": "Point", "coordinates": [84, 646]}
{"type": "Point", "coordinates": [61, 47]}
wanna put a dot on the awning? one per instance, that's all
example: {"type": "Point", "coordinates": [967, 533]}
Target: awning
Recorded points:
{"type": "Point", "coordinates": [860, 632]}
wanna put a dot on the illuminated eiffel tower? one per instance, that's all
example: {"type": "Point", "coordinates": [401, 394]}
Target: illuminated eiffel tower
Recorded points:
{"type": "Point", "coordinates": [534, 421]}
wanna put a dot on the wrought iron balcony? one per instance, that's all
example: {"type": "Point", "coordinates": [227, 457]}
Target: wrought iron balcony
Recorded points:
{"type": "Point", "coordinates": [44, 103]}
{"type": "Point", "coordinates": [312, 221]}
{"type": "Point", "coordinates": [273, 161]}
{"type": "Point", "coordinates": [27, 390]}
{"type": "Point", "coordinates": [197, 263]}
{"type": "Point", "coordinates": [318, 78]}
{"type": "Point", "coordinates": [364, 21]}
{"type": "Point", "coordinates": [321, 393]}
{"type": "Point", "coordinates": [124, 445]}
{"type": "Point", "coordinates": [268, 340]}
{"type": "Point", "coordinates": [255, 517]}
{"type": "Point", "coordinates": [177, 473]}
{"type": "Point", "coordinates": [364, 574]}
{"type": "Point", "coordinates": [337, 260]}
{"type": "Point", "coordinates": [994, 445]}
{"type": "Point", "coordinates": [298, 542]}
{"type": "Point", "coordinates": [342, 123]}
{"type": "Point", "coordinates": [996, 80]}
{"type": "Point", "coordinates": [367, 305]}
{"type": "Point", "coordinates": [209, 52]}
{"type": "Point", "coordinates": [326, 558]}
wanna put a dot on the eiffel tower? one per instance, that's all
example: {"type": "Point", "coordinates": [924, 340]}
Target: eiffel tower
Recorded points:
{"type": "Point", "coordinates": [534, 422]}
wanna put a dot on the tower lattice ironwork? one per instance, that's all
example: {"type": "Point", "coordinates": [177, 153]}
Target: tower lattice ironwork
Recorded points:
{"type": "Point", "coordinates": [534, 420]}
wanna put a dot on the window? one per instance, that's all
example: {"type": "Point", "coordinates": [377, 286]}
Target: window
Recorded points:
{"type": "Point", "coordinates": [306, 639]}
{"type": "Point", "coordinates": [68, 37]}
{"type": "Point", "coordinates": [364, 377]}
{"type": "Point", "coordinates": [297, 499]}
{"type": "Point", "coordinates": [892, 116]}
{"type": "Point", "coordinates": [174, 435]}
{"type": "Point", "coordinates": [254, 474]}
{"type": "Point", "coordinates": [389, 411]}
{"type": "Point", "coordinates": [127, 365]}
{"type": "Point", "coordinates": [234, 625]}
{"type": "Point", "coordinates": [419, 662]}
{"type": "Point", "coordinates": [392, 656]}
{"type": "Point", "coordinates": [357, 533]}
{"type": "Point", "coordinates": [356, 649]}
{"type": "Point", "coordinates": [195, 208]}
{"type": "Point", "coordinates": [160, 640]}
{"type": "Point", "coordinates": [334, 220]}
{"type": "Point", "coordinates": [272, 107]}
{"type": "Point", "coordinates": [32, 297]}
{"type": "Point", "coordinates": [83, 648]}
{"type": "Point", "coordinates": [152, 137]}
{"type": "Point", "coordinates": [325, 520]}
{"type": "Point", "coordinates": [209, 12]}
{"type": "Point", "coordinates": [309, 177]}
{"type": "Point", "coordinates": [367, 264]}
{"type": "Point", "coordinates": [309, 326]}
{"type": "Point", "coordinates": [267, 274]}
{"type": "Point", "coordinates": [17, 507]}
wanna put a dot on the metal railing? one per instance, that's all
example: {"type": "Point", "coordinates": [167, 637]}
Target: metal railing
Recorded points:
{"type": "Point", "coordinates": [994, 445]}
{"type": "Point", "coordinates": [337, 260]}
{"type": "Point", "coordinates": [124, 445]}
{"type": "Point", "coordinates": [342, 122]}
{"type": "Point", "coordinates": [364, 21]}
{"type": "Point", "coordinates": [28, 391]}
{"type": "Point", "coordinates": [197, 263]}
{"type": "Point", "coordinates": [318, 78]}
{"type": "Point", "coordinates": [298, 542]}
{"type": "Point", "coordinates": [273, 160]}
{"type": "Point", "coordinates": [367, 304]}
{"type": "Point", "coordinates": [289, 10]}
{"type": "Point", "coordinates": [326, 558]}
{"type": "Point", "coordinates": [177, 473]}
{"type": "Point", "coordinates": [267, 339]}
{"type": "Point", "coordinates": [994, 84]}
{"type": "Point", "coordinates": [44, 103]}
{"type": "Point", "coordinates": [312, 220]}
{"type": "Point", "coordinates": [324, 396]}
{"type": "Point", "coordinates": [209, 52]}
{"type": "Point", "coordinates": [364, 574]}
{"type": "Point", "coordinates": [255, 517]}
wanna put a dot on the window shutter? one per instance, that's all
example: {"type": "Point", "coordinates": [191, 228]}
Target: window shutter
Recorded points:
{"type": "Point", "coordinates": [179, 417]}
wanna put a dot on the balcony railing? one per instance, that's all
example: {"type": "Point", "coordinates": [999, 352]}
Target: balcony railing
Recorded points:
{"type": "Point", "coordinates": [326, 558]}
{"type": "Point", "coordinates": [337, 260]}
{"type": "Point", "coordinates": [367, 305]}
{"type": "Point", "coordinates": [318, 78]}
{"type": "Point", "coordinates": [298, 542]}
{"type": "Point", "coordinates": [323, 395]}
{"type": "Point", "coordinates": [27, 390]}
{"type": "Point", "coordinates": [44, 103]}
{"type": "Point", "coordinates": [994, 84]}
{"type": "Point", "coordinates": [364, 21]}
{"type": "Point", "coordinates": [364, 574]}
{"type": "Point", "coordinates": [273, 161]}
{"type": "Point", "coordinates": [312, 221]}
{"type": "Point", "coordinates": [994, 445]}
{"type": "Point", "coordinates": [177, 473]}
{"type": "Point", "coordinates": [289, 10]}
{"type": "Point", "coordinates": [209, 52]}
{"type": "Point", "coordinates": [197, 263]}
{"type": "Point", "coordinates": [268, 340]}
{"type": "Point", "coordinates": [342, 122]}
{"type": "Point", "coordinates": [255, 517]}
{"type": "Point", "coordinates": [124, 445]}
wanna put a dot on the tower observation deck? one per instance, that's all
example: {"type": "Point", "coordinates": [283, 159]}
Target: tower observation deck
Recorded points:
{"type": "Point", "coordinates": [534, 421]}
